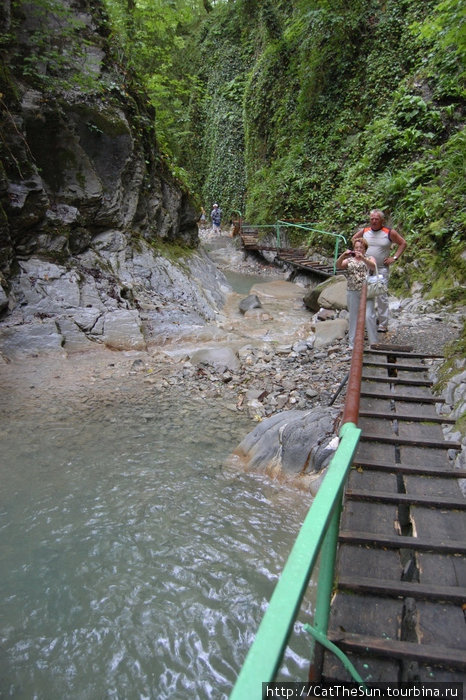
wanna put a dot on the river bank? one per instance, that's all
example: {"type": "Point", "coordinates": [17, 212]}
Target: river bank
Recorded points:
{"type": "Point", "coordinates": [277, 366]}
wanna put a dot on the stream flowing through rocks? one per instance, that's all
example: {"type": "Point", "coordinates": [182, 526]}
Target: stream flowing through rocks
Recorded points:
{"type": "Point", "coordinates": [136, 560]}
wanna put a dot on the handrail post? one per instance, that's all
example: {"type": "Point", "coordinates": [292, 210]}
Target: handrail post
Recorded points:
{"type": "Point", "coordinates": [351, 409]}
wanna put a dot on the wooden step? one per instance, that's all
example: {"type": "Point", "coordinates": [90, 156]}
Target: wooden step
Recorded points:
{"type": "Point", "coordinates": [423, 653]}
{"type": "Point", "coordinates": [402, 542]}
{"type": "Point", "coordinates": [392, 350]}
{"type": "Point", "coordinates": [394, 366]}
{"type": "Point", "coordinates": [397, 380]}
{"type": "Point", "coordinates": [387, 415]}
{"type": "Point", "coordinates": [414, 469]}
{"type": "Point", "coordinates": [407, 398]}
{"type": "Point", "coordinates": [442, 502]}
{"type": "Point", "coordinates": [416, 442]}
{"type": "Point", "coordinates": [420, 591]}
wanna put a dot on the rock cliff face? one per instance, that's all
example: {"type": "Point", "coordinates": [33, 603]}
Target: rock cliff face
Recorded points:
{"type": "Point", "coordinates": [85, 196]}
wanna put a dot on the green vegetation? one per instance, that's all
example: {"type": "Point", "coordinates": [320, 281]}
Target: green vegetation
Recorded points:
{"type": "Point", "coordinates": [318, 111]}
{"type": "Point", "coordinates": [307, 110]}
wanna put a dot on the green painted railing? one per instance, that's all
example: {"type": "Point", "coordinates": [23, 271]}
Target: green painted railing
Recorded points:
{"type": "Point", "coordinates": [318, 534]}
{"type": "Point", "coordinates": [307, 227]}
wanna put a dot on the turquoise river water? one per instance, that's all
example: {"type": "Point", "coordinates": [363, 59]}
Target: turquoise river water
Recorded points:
{"type": "Point", "coordinates": [134, 563]}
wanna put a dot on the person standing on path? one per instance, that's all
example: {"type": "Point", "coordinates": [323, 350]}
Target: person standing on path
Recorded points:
{"type": "Point", "coordinates": [202, 218]}
{"type": "Point", "coordinates": [358, 264]}
{"type": "Point", "coordinates": [380, 239]}
{"type": "Point", "coordinates": [216, 217]}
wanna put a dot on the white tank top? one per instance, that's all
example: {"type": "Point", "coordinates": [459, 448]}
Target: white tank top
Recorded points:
{"type": "Point", "coordinates": [379, 244]}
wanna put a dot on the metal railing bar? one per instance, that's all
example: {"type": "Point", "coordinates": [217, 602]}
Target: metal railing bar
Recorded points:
{"type": "Point", "coordinates": [351, 409]}
{"type": "Point", "coordinates": [266, 652]}
{"type": "Point", "coordinates": [306, 227]}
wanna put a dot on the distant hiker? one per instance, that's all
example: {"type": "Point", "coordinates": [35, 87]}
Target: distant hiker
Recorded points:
{"type": "Point", "coordinates": [379, 240]}
{"type": "Point", "coordinates": [216, 217]}
{"type": "Point", "coordinates": [358, 264]}
{"type": "Point", "coordinates": [202, 218]}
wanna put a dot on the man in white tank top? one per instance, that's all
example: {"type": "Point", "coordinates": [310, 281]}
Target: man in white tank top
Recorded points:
{"type": "Point", "coordinates": [380, 239]}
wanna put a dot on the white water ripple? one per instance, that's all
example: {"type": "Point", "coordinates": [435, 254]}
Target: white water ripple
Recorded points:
{"type": "Point", "coordinates": [136, 566]}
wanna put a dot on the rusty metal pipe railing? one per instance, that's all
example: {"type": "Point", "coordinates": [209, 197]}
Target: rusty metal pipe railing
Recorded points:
{"type": "Point", "coordinates": [351, 410]}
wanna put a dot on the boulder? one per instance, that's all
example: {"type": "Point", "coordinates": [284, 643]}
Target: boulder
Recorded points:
{"type": "Point", "coordinates": [219, 358]}
{"type": "Point", "coordinates": [311, 298]}
{"type": "Point", "coordinates": [334, 295]}
{"type": "Point", "coordinates": [295, 443]}
{"type": "Point", "coordinates": [327, 332]}
{"type": "Point", "coordinates": [250, 302]}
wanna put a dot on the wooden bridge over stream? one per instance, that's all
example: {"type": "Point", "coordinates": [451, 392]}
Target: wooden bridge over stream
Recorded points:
{"type": "Point", "coordinates": [399, 603]}
{"type": "Point", "coordinates": [295, 257]}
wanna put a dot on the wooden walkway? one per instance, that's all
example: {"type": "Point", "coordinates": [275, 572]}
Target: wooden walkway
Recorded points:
{"type": "Point", "coordinates": [296, 257]}
{"type": "Point", "coordinates": [400, 603]}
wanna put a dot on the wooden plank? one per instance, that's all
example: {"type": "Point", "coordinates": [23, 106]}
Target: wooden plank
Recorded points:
{"type": "Point", "coordinates": [378, 519]}
{"type": "Point", "coordinates": [441, 624]}
{"type": "Point", "coordinates": [441, 569]}
{"type": "Point", "coordinates": [412, 454]}
{"type": "Point", "coordinates": [389, 415]}
{"type": "Point", "coordinates": [395, 366]}
{"type": "Point", "coordinates": [372, 481]}
{"type": "Point", "coordinates": [383, 405]}
{"type": "Point", "coordinates": [419, 442]}
{"type": "Point", "coordinates": [408, 360]}
{"type": "Point", "coordinates": [424, 410]}
{"type": "Point", "coordinates": [365, 615]}
{"type": "Point", "coordinates": [410, 398]}
{"type": "Point", "coordinates": [391, 588]}
{"type": "Point", "coordinates": [445, 525]}
{"type": "Point", "coordinates": [378, 426]}
{"type": "Point", "coordinates": [401, 542]}
{"type": "Point", "coordinates": [397, 380]}
{"type": "Point", "coordinates": [388, 348]}
{"type": "Point", "coordinates": [425, 432]}
{"type": "Point", "coordinates": [383, 564]}
{"type": "Point", "coordinates": [392, 648]}
{"type": "Point", "coordinates": [432, 486]}
{"type": "Point", "coordinates": [405, 468]}
{"type": "Point", "coordinates": [413, 499]}
{"type": "Point", "coordinates": [398, 351]}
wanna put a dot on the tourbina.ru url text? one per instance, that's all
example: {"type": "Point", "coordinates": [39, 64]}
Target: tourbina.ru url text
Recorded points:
{"type": "Point", "coordinates": [446, 691]}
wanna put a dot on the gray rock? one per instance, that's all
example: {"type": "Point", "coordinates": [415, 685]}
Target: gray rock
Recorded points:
{"type": "Point", "coordinates": [31, 339]}
{"type": "Point", "coordinates": [75, 340]}
{"type": "Point", "coordinates": [3, 299]}
{"type": "Point", "coordinates": [294, 442]}
{"type": "Point", "coordinates": [122, 330]}
{"type": "Point", "coordinates": [250, 302]}
{"type": "Point", "coordinates": [311, 298]}
{"type": "Point", "coordinates": [217, 357]}
{"type": "Point", "coordinates": [333, 296]}
{"type": "Point", "coordinates": [329, 331]}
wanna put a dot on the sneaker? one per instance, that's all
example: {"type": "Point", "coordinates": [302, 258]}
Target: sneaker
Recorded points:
{"type": "Point", "coordinates": [382, 329]}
